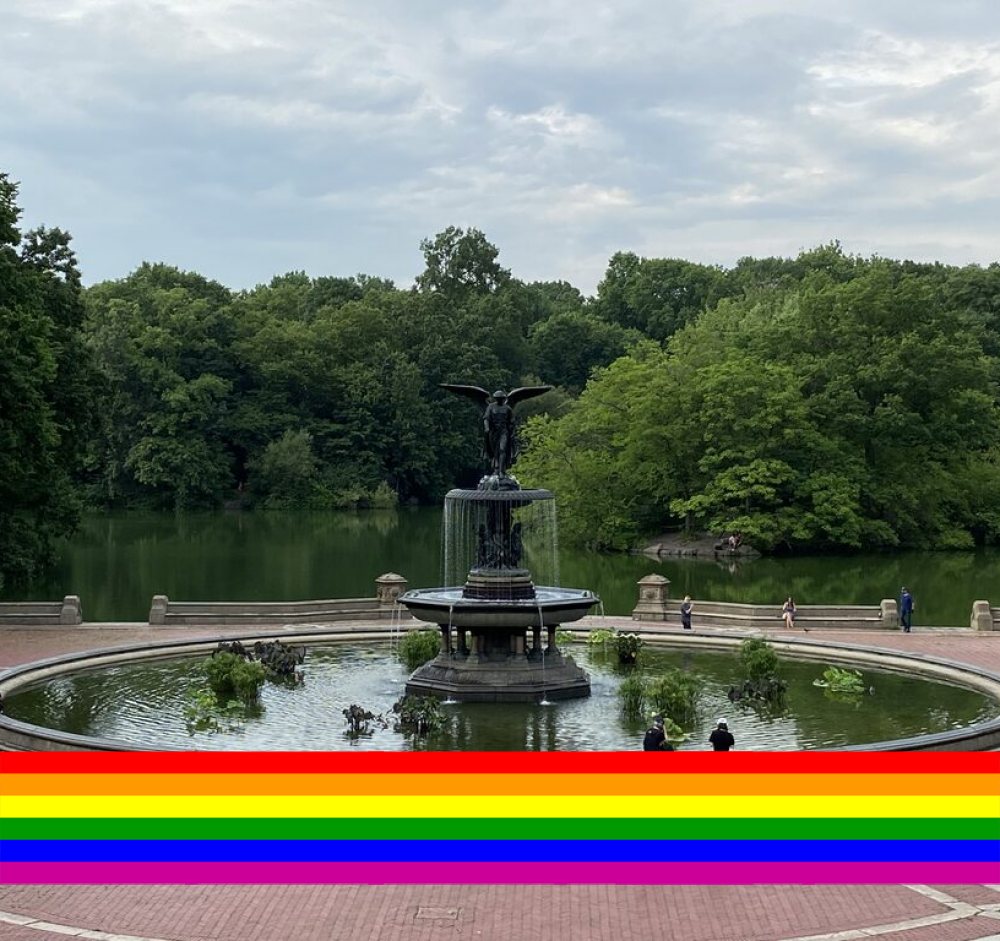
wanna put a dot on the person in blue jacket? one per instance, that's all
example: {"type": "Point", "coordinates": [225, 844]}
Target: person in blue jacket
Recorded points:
{"type": "Point", "coordinates": [906, 609]}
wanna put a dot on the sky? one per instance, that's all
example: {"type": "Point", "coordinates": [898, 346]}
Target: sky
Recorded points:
{"type": "Point", "coordinates": [246, 138]}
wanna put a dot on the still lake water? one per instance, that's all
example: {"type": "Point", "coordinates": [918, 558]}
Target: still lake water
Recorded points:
{"type": "Point", "coordinates": [118, 561]}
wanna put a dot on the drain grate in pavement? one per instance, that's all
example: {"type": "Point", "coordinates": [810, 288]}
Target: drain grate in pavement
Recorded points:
{"type": "Point", "coordinates": [431, 913]}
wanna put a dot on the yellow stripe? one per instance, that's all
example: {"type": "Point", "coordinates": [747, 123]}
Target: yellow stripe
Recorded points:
{"type": "Point", "coordinates": [501, 805]}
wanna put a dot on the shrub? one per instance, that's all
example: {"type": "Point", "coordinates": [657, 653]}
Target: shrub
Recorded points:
{"type": "Point", "coordinates": [758, 659]}
{"type": "Point", "coordinates": [628, 647]}
{"type": "Point", "coordinates": [418, 647]}
{"type": "Point", "coordinates": [842, 681]}
{"type": "Point", "coordinates": [632, 693]}
{"type": "Point", "coordinates": [384, 497]}
{"type": "Point", "coordinates": [674, 695]}
{"type": "Point", "coordinates": [232, 677]}
{"type": "Point", "coordinates": [601, 637]}
{"type": "Point", "coordinates": [418, 715]}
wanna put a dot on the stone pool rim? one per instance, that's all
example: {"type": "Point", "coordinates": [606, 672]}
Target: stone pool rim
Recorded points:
{"type": "Point", "coordinates": [16, 735]}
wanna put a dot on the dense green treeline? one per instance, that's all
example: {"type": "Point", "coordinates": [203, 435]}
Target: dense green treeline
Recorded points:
{"type": "Point", "coordinates": [825, 400]}
{"type": "Point", "coordinates": [46, 390]}
{"type": "Point", "coordinates": [829, 402]}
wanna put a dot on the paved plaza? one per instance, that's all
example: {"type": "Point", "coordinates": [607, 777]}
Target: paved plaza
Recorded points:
{"type": "Point", "coordinates": [503, 913]}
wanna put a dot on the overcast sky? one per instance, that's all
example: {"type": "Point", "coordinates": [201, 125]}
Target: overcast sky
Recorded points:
{"type": "Point", "coordinates": [246, 138]}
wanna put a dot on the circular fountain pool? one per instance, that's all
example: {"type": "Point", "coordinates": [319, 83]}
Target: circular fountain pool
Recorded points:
{"type": "Point", "coordinates": [141, 705]}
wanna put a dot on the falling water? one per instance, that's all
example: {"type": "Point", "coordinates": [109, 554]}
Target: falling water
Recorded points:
{"type": "Point", "coordinates": [541, 622]}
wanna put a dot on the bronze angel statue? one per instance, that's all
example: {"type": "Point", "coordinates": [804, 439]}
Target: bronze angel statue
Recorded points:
{"type": "Point", "coordinates": [499, 440]}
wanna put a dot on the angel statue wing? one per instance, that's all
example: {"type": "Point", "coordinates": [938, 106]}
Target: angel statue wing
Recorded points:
{"type": "Point", "coordinates": [526, 392]}
{"type": "Point", "coordinates": [473, 392]}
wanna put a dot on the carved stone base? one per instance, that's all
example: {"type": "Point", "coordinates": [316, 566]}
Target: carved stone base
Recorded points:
{"type": "Point", "coordinates": [499, 584]}
{"type": "Point", "coordinates": [513, 679]}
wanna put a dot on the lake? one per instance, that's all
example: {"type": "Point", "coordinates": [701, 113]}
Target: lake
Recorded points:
{"type": "Point", "coordinates": [118, 561]}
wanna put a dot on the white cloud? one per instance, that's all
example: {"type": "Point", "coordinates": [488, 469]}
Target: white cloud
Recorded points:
{"type": "Point", "coordinates": [566, 129]}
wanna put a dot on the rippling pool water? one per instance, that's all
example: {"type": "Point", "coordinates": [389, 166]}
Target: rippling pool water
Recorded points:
{"type": "Point", "coordinates": [143, 704]}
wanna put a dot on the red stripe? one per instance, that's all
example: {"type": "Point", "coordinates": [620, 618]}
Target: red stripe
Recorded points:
{"type": "Point", "coordinates": [353, 873]}
{"type": "Point", "coordinates": [502, 762]}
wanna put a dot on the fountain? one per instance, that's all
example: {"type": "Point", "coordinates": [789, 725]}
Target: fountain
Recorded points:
{"type": "Point", "coordinates": [492, 649]}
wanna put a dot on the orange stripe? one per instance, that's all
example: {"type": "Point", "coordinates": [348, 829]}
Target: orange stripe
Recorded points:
{"type": "Point", "coordinates": [470, 784]}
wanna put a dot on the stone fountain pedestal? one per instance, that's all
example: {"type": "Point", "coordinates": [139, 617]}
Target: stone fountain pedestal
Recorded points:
{"type": "Point", "coordinates": [499, 644]}
{"type": "Point", "coordinates": [492, 678]}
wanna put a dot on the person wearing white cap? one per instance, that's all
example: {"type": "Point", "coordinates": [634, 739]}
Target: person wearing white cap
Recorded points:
{"type": "Point", "coordinates": [721, 738]}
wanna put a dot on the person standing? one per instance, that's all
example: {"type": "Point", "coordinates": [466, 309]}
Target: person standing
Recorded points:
{"type": "Point", "coordinates": [906, 607]}
{"type": "Point", "coordinates": [721, 738]}
{"type": "Point", "coordinates": [686, 608]}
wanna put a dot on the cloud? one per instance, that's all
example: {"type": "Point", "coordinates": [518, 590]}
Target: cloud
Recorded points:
{"type": "Point", "coordinates": [333, 136]}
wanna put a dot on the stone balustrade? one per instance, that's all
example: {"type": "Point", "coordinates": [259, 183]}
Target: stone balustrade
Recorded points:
{"type": "Point", "coordinates": [655, 604]}
{"type": "Point", "coordinates": [383, 606]}
{"type": "Point", "coordinates": [984, 617]}
{"type": "Point", "coordinates": [66, 612]}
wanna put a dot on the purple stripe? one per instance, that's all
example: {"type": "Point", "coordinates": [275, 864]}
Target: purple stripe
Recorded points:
{"type": "Point", "coordinates": [654, 873]}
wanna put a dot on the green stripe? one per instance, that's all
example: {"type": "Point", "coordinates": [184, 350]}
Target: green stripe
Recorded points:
{"type": "Point", "coordinates": [501, 829]}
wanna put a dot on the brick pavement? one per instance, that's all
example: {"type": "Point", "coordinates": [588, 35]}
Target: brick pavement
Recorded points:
{"type": "Point", "coordinates": [500, 913]}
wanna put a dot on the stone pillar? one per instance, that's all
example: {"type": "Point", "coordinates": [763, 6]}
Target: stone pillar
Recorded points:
{"type": "Point", "coordinates": [536, 641]}
{"type": "Point", "coordinates": [71, 612]}
{"type": "Point", "coordinates": [158, 609]}
{"type": "Point", "coordinates": [552, 636]}
{"type": "Point", "coordinates": [463, 644]}
{"type": "Point", "coordinates": [982, 616]}
{"type": "Point", "coordinates": [445, 639]}
{"type": "Point", "coordinates": [889, 613]}
{"type": "Point", "coordinates": [388, 588]}
{"type": "Point", "coordinates": [654, 595]}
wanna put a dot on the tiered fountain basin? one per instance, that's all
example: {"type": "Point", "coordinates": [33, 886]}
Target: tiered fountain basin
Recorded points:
{"type": "Point", "coordinates": [492, 648]}
{"type": "Point", "coordinates": [498, 629]}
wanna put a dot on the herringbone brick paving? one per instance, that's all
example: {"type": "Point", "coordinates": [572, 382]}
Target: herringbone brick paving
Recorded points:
{"type": "Point", "coordinates": [500, 913]}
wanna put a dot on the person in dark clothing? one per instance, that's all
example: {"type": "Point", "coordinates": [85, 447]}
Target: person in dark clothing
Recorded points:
{"type": "Point", "coordinates": [656, 738]}
{"type": "Point", "coordinates": [906, 609]}
{"type": "Point", "coordinates": [686, 609]}
{"type": "Point", "coordinates": [721, 738]}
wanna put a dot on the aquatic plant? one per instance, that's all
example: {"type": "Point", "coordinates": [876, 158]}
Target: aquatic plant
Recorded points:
{"type": "Point", "coordinates": [837, 680]}
{"type": "Point", "coordinates": [601, 637]}
{"type": "Point", "coordinates": [674, 694]}
{"type": "Point", "coordinates": [632, 694]}
{"type": "Point", "coordinates": [628, 646]}
{"type": "Point", "coordinates": [418, 715]}
{"type": "Point", "coordinates": [419, 647]}
{"type": "Point", "coordinates": [232, 677]}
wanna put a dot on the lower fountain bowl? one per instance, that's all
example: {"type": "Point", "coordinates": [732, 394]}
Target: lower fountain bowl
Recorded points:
{"type": "Point", "coordinates": [515, 679]}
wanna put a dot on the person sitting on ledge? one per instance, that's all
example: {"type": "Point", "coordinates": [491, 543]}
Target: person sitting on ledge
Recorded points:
{"type": "Point", "coordinates": [788, 614]}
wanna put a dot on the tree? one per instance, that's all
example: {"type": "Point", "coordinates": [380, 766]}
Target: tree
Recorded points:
{"type": "Point", "coordinates": [46, 386]}
{"type": "Point", "coordinates": [656, 295]}
{"type": "Point", "coordinates": [163, 341]}
{"type": "Point", "coordinates": [570, 345]}
{"type": "Point", "coordinates": [458, 261]}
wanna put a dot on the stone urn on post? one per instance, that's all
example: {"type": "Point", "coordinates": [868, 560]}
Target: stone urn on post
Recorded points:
{"type": "Point", "coordinates": [654, 599]}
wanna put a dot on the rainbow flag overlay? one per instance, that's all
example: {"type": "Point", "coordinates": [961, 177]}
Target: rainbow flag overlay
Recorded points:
{"type": "Point", "coordinates": [490, 818]}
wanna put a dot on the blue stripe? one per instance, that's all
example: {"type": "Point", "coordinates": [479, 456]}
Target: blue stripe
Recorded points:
{"type": "Point", "coordinates": [500, 850]}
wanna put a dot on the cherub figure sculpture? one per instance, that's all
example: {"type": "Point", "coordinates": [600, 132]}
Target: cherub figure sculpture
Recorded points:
{"type": "Point", "coordinates": [499, 438]}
